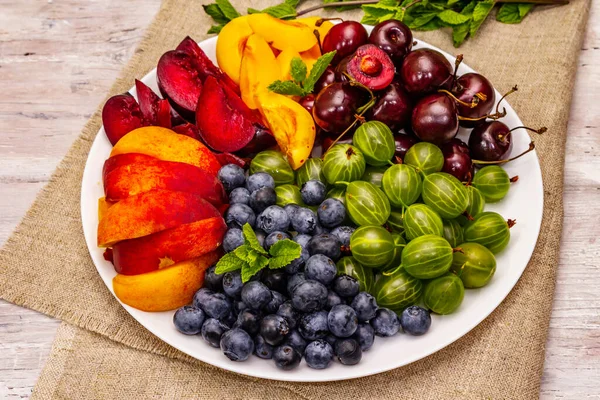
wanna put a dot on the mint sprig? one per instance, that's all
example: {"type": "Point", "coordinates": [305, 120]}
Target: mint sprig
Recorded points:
{"type": "Point", "coordinates": [301, 85]}
{"type": "Point", "coordinates": [251, 257]}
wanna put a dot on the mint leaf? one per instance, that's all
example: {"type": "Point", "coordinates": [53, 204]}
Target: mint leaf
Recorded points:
{"type": "Point", "coordinates": [298, 69]}
{"type": "Point", "coordinates": [430, 26]}
{"type": "Point", "coordinates": [460, 32]}
{"type": "Point", "coordinates": [375, 13]}
{"type": "Point", "coordinates": [227, 9]}
{"type": "Point", "coordinates": [284, 252]}
{"type": "Point", "coordinates": [229, 262]}
{"type": "Point", "coordinates": [215, 13]}
{"type": "Point", "coordinates": [215, 29]}
{"type": "Point", "coordinates": [452, 17]}
{"type": "Point", "coordinates": [480, 13]}
{"type": "Point", "coordinates": [251, 269]}
{"type": "Point", "coordinates": [509, 13]}
{"type": "Point", "coordinates": [278, 11]}
{"type": "Point", "coordinates": [422, 19]}
{"type": "Point", "coordinates": [293, 3]}
{"type": "Point", "coordinates": [317, 70]}
{"type": "Point", "coordinates": [289, 88]}
{"type": "Point", "coordinates": [251, 240]}
{"type": "Point", "coordinates": [524, 9]}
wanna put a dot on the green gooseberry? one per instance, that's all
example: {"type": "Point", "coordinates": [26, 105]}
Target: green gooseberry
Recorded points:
{"type": "Point", "coordinates": [339, 193]}
{"type": "Point", "coordinates": [445, 294]}
{"type": "Point", "coordinates": [364, 276]}
{"type": "Point", "coordinates": [374, 175]}
{"type": "Point", "coordinates": [275, 164]}
{"type": "Point", "coordinates": [475, 201]}
{"type": "Point", "coordinates": [453, 232]}
{"type": "Point", "coordinates": [427, 257]}
{"type": "Point", "coordinates": [474, 264]}
{"type": "Point", "coordinates": [288, 194]}
{"type": "Point", "coordinates": [372, 246]}
{"type": "Point", "coordinates": [396, 221]}
{"type": "Point", "coordinates": [420, 219]}
{"type": "Point", "coordinates": [343, 163]}
{"type": "Point", "coordinates": [399, 244]}
{"type": "Point", "coordinates": [312, 169]}
{"type": "Point", "coordinates": [425, 157]}
{"type": "Point", "coordinates": [376, 141]}
{"type": "Point", "coordinates": [366, 204]}
{"type": "Point", "coordinates": [445, 194]}
{"type": "Point", "coordinates": [397, 290]}
{"type": "Point", "coordinates": [490, 230]}
{"type": "Point", "coordinates": [402, 184]}
{"type": "Point", "coordinates": [493, 182]}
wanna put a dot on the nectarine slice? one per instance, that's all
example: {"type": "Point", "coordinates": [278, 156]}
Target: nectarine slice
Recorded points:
{"type": "Point", "coordinates": [311, 56]}
{"type": "Point", "coordinates": [230, 46]}
{"type": "Point", "coordinates": [259, 69]}
{"type": "Point", "coordinates": [311, 22]}
{"type": "Point", "coordinates": [282, 34]}
{"type": "Point", "coordinates": [164, 289]}
{"type": "Point", "coordinates": [284, 59]}
{"type": "Point", "coordinates": [167, 145]}
{"type": "Point", "coordinates": [103, 206]}
{"type": "Point", "coordinates": [150, 212]}
{"type": "Point", "coordinates": [120, 115]}
{"type": "Point", "coordinates": [163, 249]}
{"type": "Point", "coordinates": [179, 81]}
{"type": "Point", "coordinates": [115, 162]}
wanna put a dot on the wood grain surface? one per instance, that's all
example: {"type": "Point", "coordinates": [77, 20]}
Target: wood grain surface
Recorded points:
{"type": "Point", "coordinates": [52, 48]}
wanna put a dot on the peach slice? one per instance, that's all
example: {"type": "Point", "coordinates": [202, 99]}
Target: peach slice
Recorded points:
{"type": "Point", "coordinates": [143, 176]}
{"type": "Point", "coordinates": [115, 162]}
{"type": "Point", "coordinates": [167, 145]}
{"type": "Point", "coordinates": [259, 69]}
{"type": "Point", "coordinates": [311, 22]}
{"type": "Point", "coordinates": [164, 289]}
{"type": "Point", "coordinates": [282, 34]}
{"type": "Point", "coordinates": [292, 126]}
{"type": "Point", "coordinates": [230, 46]}
{"type": "Point", "coordinates": [165, 248]}
{"type": "Point", "coordinates": [103, 206]}
{"type": "Point", "coordinates": [311, 56]}
{"type": "Point", "coordinates": [151, 212]}
{"type": "Point", "coordinates": [284, 59]}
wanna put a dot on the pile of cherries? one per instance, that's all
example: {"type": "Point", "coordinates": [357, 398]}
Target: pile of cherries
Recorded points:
{"type": "Point", "coordinates": [417, 93]}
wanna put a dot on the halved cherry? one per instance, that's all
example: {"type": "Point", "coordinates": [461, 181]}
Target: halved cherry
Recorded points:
{"type": "Point", "coordinates": [372, 67]}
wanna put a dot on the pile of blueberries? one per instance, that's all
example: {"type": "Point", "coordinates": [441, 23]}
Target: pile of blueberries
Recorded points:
{"type": "Point", "coordinates": [302, 310]}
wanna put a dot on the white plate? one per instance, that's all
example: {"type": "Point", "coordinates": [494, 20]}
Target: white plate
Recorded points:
{"type": "Point", "coordinates": [524, 203]}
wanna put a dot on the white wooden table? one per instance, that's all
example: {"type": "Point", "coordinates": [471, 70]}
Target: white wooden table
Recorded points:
{"type": "Point", "coordinates": [49, 48]}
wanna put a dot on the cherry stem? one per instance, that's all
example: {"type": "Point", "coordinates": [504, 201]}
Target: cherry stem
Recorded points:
{"type": "Point", "coordinates": [511, 223]}
{"type": "Point", "coordinates": [472, 104]}
{"type": "Point", "coordinates": [543, 129]}
{"type": "Point", "coordinates": [320, 21]}
{"type": "Point", "coordinates": [318, 36]}
{"type": "Point", "coordinates": [511, 91]}
{"type": "Point", "coordinates": [459, 59]}
{"type": "Point", "coordinates": [530, 149]}
{"type": "Point", "coordinates": [496, 115]}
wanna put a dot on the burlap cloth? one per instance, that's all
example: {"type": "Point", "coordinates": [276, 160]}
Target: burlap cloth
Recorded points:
{"type": "Point", "coordinates": [101, 352]}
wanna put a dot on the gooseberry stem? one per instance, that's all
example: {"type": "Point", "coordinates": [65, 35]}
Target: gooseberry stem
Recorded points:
{"type": "Point", "coordinates": [458, 250]}
{"type": "Point", "coordinates": [514, 179]}
{"type": "Point", "coordinates": [511, 223]}
{"type": "Point", "coordinates": [530, 149]}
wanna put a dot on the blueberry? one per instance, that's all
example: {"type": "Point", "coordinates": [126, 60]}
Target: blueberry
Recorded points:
{"type": "Point", "coordinates": [239, 214]}
{"type": "Point", "coordinates": [365, 336]}
{"type": "Point", "coordinates": [275, 302]}
{"type": "Point", "coordinates": [297, 264]}
{"type": "Point", "coordinates": [238, 305]}
{"type": "Point", "coordinates": [331, 339]}
{"type": "Point", "coordinates": [256, 295]}
{"type": "Point", "coordinates": [296, 340]}
{"type": "Point", "coordinates": [313, 326]}
{"type": "Point", "coordinates": [294, 281]}
{"type": "Point", "coordinates": [343, 233]}
{"type": "Point", "coordinates": [259, 180]}
{"type": "Point", "coordinates": [212, 331]}
{"type": "Point", "coordinates": [248, 320]}
{"type": "Point", "coordinates": [260, 236]}
{"type": "Point", "coordinates": [319, 229]}
{"type": "Point", "coordinates": [415, 320]}
{"type": "Point", "coordinates": [217, 305]}
{"type": "Point", "coordinates": [309, 296]}
{"type": "Point", "coordinates": [262, 349]}
{"type": "Point", "coordinates": [262, 198]}
{"type": "Point", "coordinates": [342, 321]}
{"type": "Point", "coordinates": [229, 319]}
{"type": "Point", "coordinates": [302, 239]}
{"type": "Point", "coordinates": [313, 192]}
{"type": "Point", "coordinates": [232, 283]}
{"type": "Point", "coordinates": [213, 280]}
{"type": "Point", "coordinates": [331, 213]}
{"type": "Point", "coordinates": [348, 351]}
{"type": "Point", "coordinates": [326, 244]}
{"type": "Point", "coordinates": [275, 280]}
{"type": "Point", "coordinates": [275, 237]}
{"type": "Point", "coordinates": [365, 306]}
{"type": "Point", "coordinates": [239, 195]}
{"type": "Point", "coordinates": [233, 239]}
{"type": "Point", "coordinates": [320, 268]}
{"type": "Point", "coordinates": [304, 220]}
{"type": "Point", "coordinates": [231, 176]}
{"type": "Point", "coordinates": [318, 354]}
{"type": "Point", "coordinates": [346, 286]}
{"type": "Point", "coordinates": [333, 299]}
{"type": "Point", "coordinates": [188, 320]}
{"type": "Point", "coordinates": [291, 209]}
{"type": "Point", "coordinates": [287, 311]}
{"type": "Point", "coordinates": [237, 345]}
{"type": "Point", "coordinates": [286, 357]}
{"type": "Point", "coordinates": [201, 297]}
{"type": "Point", "coordinates": [272, 219]}
{"type": "Point", "coordinates": [273, 328]}
{"type": "Point", "coordinates": [385, 323]}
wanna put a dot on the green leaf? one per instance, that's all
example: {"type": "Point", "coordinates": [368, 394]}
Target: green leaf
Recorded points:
{"type": "Point", "coordinates": [215, 29]}
{"type": "Point", "coordinates": [422, 20]}
{"type": "Point", "coordinates": [229, 262]}
{"type": "Point", "coordinates": [317, 70]}
{"type": "Point", "coordinates": [513, 13]}
{"type": "Point", "coordinates": [228, 10]}
{"type": "Point", "coordinates": [293, 3]}
{"type": "Point", "coordinates": [280, 10]}
{"type": "Point", "coordinates": [251, 240]}
{"type": "Point", "coordinates": [298, 69]}
{"type": "Point", "coordinates": [375, 13]}
{"type": "Point", "coordinates": [284, 252]}
{"type": "Point", "coordinates": [460, 32]}
{"type": "Point", "coordinates": [431, 25]}
{"type": "Point", "coordinates": [480, 13]}
{"type": "Point", "coordinates": [249, 270]}
{"type": "Point", "coordinates": [452, 17]}
{"type": "Point", "coordinates": [215, 13]}
{"type": "Point", "coordinates": [253, 11]}
{"type": "Point", "coordinates": [452, 2]}
{"type": "Point", "coordinates": [524, 9]}
{"type": "Point", "coordinates": [391, 3]}
{"type": "Point", "coordinates": [289, 88]}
